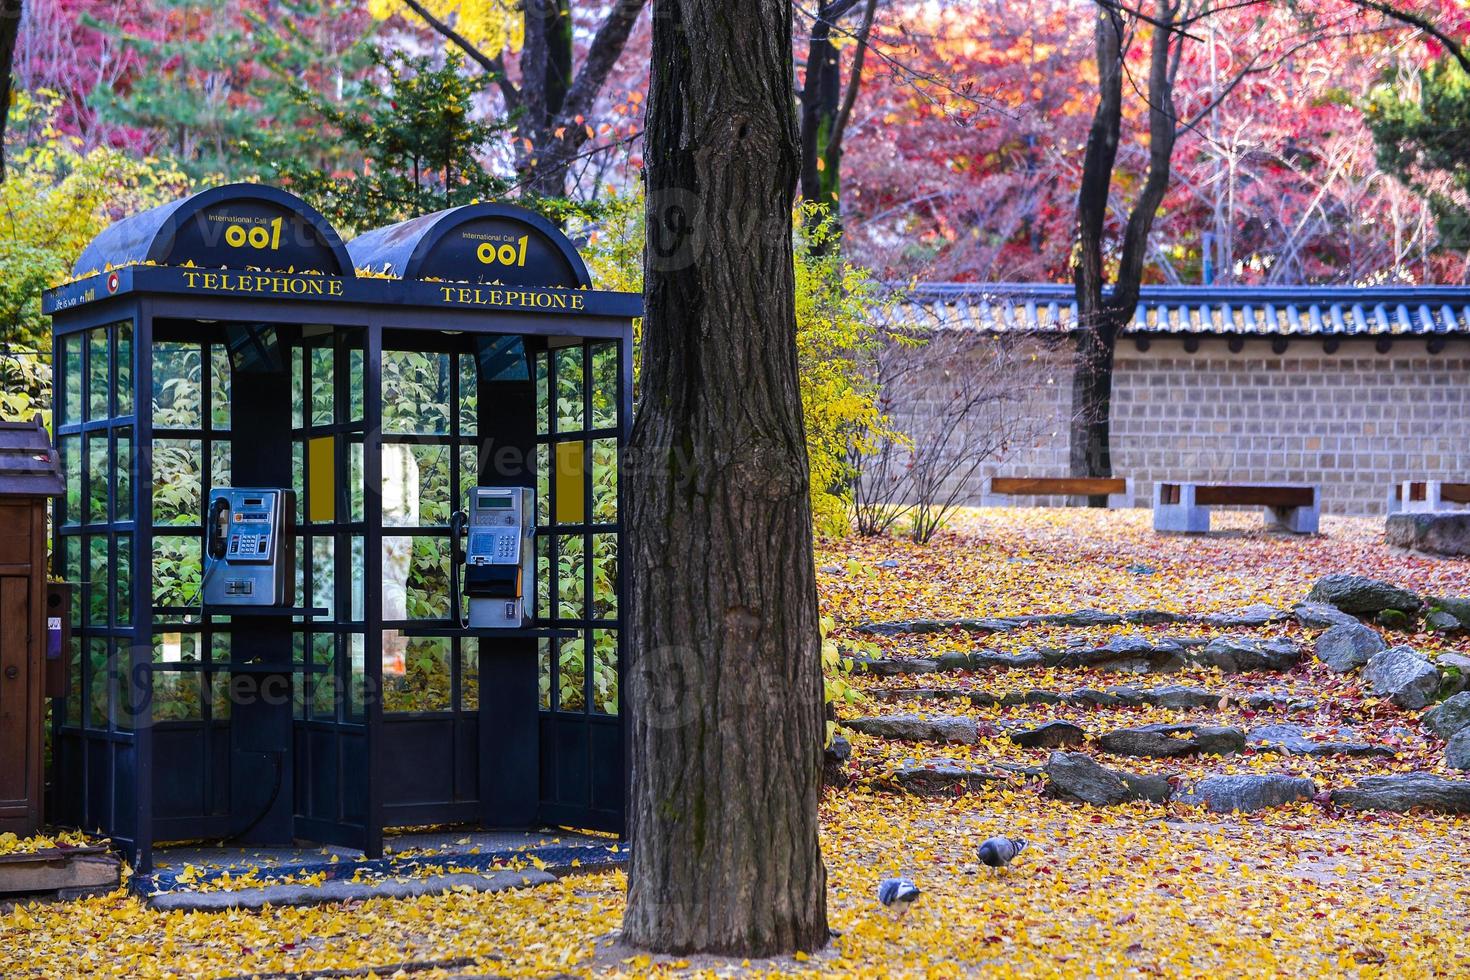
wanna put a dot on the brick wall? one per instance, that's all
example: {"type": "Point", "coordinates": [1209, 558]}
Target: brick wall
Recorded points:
{"type": "Point", "coordinates": [1353, 421]}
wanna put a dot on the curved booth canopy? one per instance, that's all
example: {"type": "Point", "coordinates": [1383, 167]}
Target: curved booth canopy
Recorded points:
{"type": "Point", "coordinates": [238, 226]}
{"type": "Point", "coordinates": [491, 244]}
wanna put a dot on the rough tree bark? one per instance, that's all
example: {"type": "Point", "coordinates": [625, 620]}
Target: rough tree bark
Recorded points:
{"type": "Point", "coordinates": [725, 683]}
{"type": "Point", "coordinates": [1102, 314]}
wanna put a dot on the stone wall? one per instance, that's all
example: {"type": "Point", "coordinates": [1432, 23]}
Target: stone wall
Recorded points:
{"type": "Point", "coordinates": [1354, 421]}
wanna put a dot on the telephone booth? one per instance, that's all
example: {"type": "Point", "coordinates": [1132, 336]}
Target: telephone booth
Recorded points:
{"type": "Point", "coordinates": [313, 664]}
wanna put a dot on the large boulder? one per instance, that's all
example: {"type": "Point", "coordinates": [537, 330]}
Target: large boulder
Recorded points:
{"type": "Point", "coordinates": [1240, 654]}
{"type": "Point", "coordinates": [1406, 792]}
{"type": "Point", "coordinates": [1401, 674]}
{"type": "Point", "coordinates": [1439, 533]}
{"type": "Point", "coordinates": [1348, 646]}
{"type": "Point", "coordinates": [1450, 717]}
{"type": "Point", "coordinates": [1247, 793]}
{"type": "Point", "coordinates": [1457, 751]}
{"type": "Point", "coordinates": [1075, 776]}
{"type": "Point", "coordinates": [1362, 595]}
{"type": "Point", "coordinates": [913, 728]}
{"type": "Point", "coordinates": [1319, 615]}
{"type": "Point", "coordinates": [1049, 735]}
{"type": "Point", "coordinates": [1169, 741]}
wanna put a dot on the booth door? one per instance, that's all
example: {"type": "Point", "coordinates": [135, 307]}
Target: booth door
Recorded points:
{"type": "Point", "coordinates": [580, 417]}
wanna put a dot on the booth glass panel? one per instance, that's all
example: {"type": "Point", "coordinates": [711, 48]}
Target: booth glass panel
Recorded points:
{"type": "Point", "coordinates": [99, 476]}
{"type": "Point", "coordinates": [220, 375]}
{"type": "Point", "coordinates": [604, 386]}
{"type": "Point", "coordinates": [416, 393]}
{"type": "Point", "coordinates": [177, 563]}
{"type": "Point", "coordinates": [469, 674]}
{"type": "Point", "coordinates": [123, 389]}
{"type": "Point", "coordinates": [417, 672]}
{"type": "Point", "coordinates": [604, 481]}
{"type": "Point", "coordinates": [177, 402]}
{"type": "Point", "coordinates": [543, 659]}
{"type": "Point", "coordinates": [68, 448]}
{"type": "Point", "coordinates": [123, 468]}
{"type": "Point", "coordinates": [122, 563]}
{"type": "Point", "coordinates": [99, 374]}
{"type": "Point", "coordinates": [69, 356]}
{"type": "Point", "coordinates": [571, 664]}
{"type": "Point", "coordinates": [98, 586]}
{"type": "Point", "coordinates": [570, 397]}
{"type": "Point", "coordinates": [178, 491]}
{"type": "Point", "coordinates": [468, 401]}
{"type": "Point", "coordinates": [605, 672]}
{"type": "Point", "coordinates": [323, 394]}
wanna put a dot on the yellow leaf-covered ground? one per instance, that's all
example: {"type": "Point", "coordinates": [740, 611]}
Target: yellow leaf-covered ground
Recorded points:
{"type": "Point", "coordinates": [1135, 890]}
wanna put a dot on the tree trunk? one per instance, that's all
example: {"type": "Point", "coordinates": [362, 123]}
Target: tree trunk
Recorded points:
{"type": "Point", "coordinates": [10, 11]}
{"type": "Point", "coordinates": [1092, 396]}
{"type": "Point", "coordinates": [724, 680]}
{"type": "Point", "coordinates": [819, 104]}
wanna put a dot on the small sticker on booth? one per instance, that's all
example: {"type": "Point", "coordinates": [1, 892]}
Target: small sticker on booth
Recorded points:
{"type": "Point", "coordinates": [112, 282]}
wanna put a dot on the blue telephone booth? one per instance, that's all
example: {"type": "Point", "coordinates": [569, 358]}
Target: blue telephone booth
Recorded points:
{"type": "Point", "coordinates": [297, 617]}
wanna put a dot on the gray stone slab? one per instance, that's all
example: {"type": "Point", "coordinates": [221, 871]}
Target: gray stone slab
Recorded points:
{"type": "Point", "coordinates": [344, 890]}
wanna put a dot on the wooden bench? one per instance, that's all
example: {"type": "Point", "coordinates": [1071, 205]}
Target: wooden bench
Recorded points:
{"type": "Point", "coordinates": [1426, 495]}
{"type": "Point", "coordinates": [1118, 490]}
{"type": "Point", "coordinates": [1184, 507]}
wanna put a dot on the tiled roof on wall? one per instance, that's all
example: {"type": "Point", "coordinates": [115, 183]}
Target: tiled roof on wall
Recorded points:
{"type": "Point", "coordinates": [1219, 310]}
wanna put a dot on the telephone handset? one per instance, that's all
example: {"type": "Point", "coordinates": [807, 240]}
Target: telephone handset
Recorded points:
{"type": "Point", "coordinates": [219, 527]}
{"type": "Point", "coordinates": [250, 547]}
{"type": "Point", "coordinates": [499, 562]}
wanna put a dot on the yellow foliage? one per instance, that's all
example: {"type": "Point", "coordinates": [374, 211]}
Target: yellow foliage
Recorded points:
{"type": "Point", "coordinates": [492, 26]}
{"type": "Point", "coordinates": [837, 314]}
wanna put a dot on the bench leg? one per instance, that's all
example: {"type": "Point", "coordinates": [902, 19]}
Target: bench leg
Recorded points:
{"type": "Point", "coordinates": [1124, 500]}
{"type": "Point", "coordinates": [1297, 520]}
{"type": "Point", "coordinates": [1181, 518]}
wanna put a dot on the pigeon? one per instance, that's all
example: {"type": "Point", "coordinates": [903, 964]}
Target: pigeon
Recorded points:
{"type": "Point", "coordinates": [997, 852]}
{"type": "Point", "coordinates": [897, 894]}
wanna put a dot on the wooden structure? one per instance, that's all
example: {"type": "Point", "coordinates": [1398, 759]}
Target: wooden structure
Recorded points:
{"type": "Point", "coordinates": [29, 478]}
{"type": "Point", "coordinates": [1118, 490]}
{"type": "Point", "coordinates": [1184, 506]}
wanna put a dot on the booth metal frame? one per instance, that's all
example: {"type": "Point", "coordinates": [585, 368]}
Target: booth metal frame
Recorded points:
{"type": "Point", "coordinates": [517, 759]}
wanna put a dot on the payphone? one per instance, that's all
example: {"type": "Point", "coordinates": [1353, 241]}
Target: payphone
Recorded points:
{"type": "Point", "coordinates": [499, 562]}
{"type": "Point", "coordinates": [250, 547]}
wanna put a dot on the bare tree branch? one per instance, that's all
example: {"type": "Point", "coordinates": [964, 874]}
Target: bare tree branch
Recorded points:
{"type": "Point", "coordinates": [494, 67]}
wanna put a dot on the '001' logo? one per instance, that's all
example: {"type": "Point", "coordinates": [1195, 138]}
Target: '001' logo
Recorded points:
{"type": "Point", "coordinates": [506, 254]}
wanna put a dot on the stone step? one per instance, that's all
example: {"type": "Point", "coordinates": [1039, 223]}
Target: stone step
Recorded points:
{"type": "Point", "coordinates": [1076, 777]}
{"type": "Point", "coordinates": [1125, 654]}
{"type": "Point", "coordinates": [1251, 616]}
{"type": "Point", "coordinates": [1173, 696]}
{"type": "Point", "coordinates": [1157, 741]}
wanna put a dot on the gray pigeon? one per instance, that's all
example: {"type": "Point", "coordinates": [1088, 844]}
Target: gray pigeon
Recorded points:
{"type": "Point", "coordinates": [897, 894]}
{"type": "Point", "coordinates": [997, 852]}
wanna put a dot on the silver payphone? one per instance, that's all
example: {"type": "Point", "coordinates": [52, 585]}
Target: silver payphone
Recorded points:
{"type": "Point", "coordinates": [499, 562]}
{"type": "Point", "coordinates": [250, 547]}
